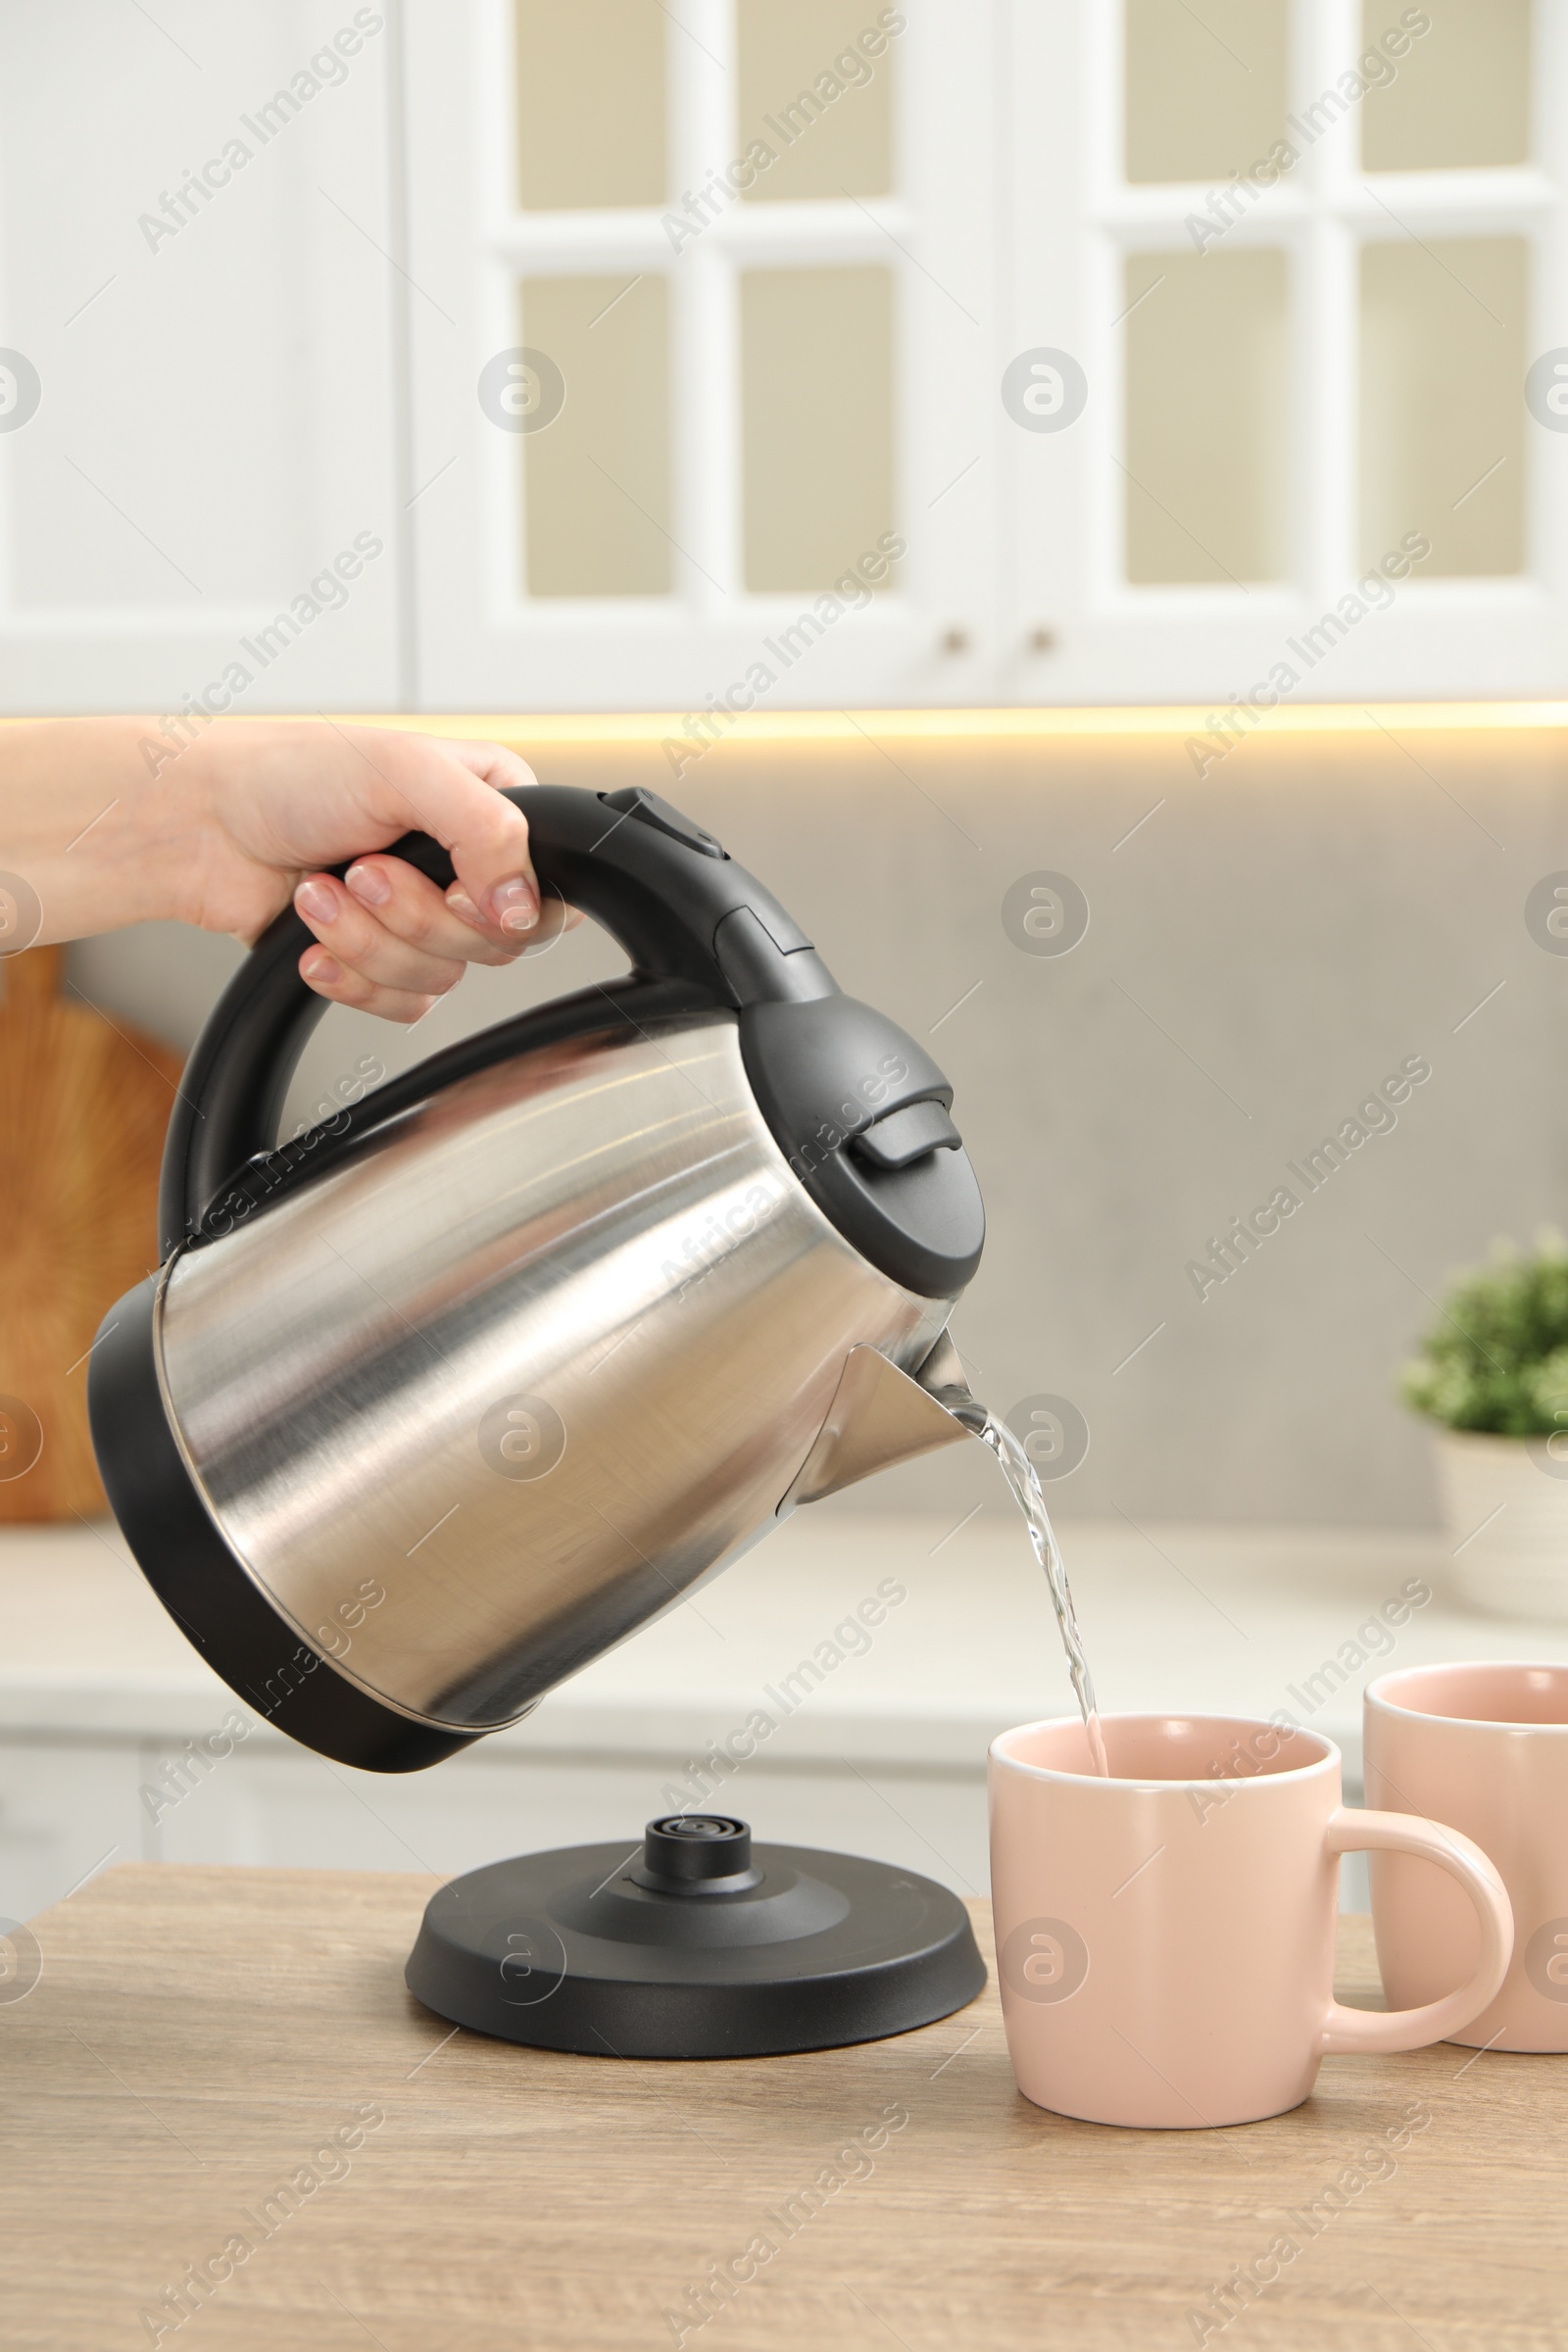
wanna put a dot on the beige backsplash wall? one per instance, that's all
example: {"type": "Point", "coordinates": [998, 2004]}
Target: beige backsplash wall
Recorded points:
{"type": "Point", "coordinates": [1262, 952]}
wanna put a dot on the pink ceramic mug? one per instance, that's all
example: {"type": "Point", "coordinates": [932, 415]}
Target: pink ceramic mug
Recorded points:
{"type": "Point", "coordinates": [1485, 1747]}
{"type": "Point", "coordinates": [1165, 1938]}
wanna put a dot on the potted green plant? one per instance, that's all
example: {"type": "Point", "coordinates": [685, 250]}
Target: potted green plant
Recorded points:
{"type": "Point", "coordinates": [1492, 1375]}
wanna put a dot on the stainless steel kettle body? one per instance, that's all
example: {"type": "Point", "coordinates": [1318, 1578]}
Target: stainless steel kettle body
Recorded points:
{"type": "Point", "coordinates": [433, 1406]}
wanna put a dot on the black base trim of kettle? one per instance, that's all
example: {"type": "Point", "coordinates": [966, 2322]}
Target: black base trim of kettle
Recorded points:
{"type": "Point", "coordinates": [203, 1587]}
{"type": "Point", "coordinates": [699, 1946]}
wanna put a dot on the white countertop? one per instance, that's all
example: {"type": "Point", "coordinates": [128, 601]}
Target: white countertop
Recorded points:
{"type": "Point", "coordinates": [1200, 1619]}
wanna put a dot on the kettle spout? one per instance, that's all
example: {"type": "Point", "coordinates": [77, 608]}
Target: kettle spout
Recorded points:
{"type": "Point", "coordinates": [880, 1416]}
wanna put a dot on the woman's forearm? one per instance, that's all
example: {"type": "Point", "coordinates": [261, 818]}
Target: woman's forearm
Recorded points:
{"type": "Point", "coordinates": [98, 838]}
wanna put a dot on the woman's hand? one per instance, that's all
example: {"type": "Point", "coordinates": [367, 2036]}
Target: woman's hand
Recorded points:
{"type": "Point", "coordinates": [113, 821]}
{"type": "Point", "coordinates": [285, 800]}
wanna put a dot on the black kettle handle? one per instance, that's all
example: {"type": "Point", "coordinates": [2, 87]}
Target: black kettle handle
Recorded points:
{"type": "Point", "coordinates": [679, 905]}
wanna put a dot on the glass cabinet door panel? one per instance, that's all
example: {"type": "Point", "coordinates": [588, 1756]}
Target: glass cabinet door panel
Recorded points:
{"type": "Point", "coordinates": [1443, 357]}
{"type": "Point", "coordinates": [597, 475]}
{"type": "Point", "coordinates": [591, 104]}
{"type": "Point", "coordinates": [1207, 416]}
{"type": "Point", "coordinates": [1205, 88]}
{"type": "Point", "coordinates": [1454, 97]}
{"type": "Point", "coordinates": [816, 90]}
{"type": "Point", "coordinates": [816, 359]}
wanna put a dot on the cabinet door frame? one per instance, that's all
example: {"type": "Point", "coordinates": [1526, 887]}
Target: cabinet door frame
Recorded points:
{"type": "Point", "coordinates": [1074, 220]}
{"type": "Point", "coordinates": [483, 642]}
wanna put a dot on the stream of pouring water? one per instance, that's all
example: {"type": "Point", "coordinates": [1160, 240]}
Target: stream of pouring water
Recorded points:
{"type": "Point", "coordinates": [1024, 1480]}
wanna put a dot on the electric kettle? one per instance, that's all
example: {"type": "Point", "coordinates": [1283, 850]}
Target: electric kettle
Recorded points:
{"type": "Point", "coordinates": [431, 1404]}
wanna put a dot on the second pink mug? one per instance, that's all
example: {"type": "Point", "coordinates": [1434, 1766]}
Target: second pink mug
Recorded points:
{"type": "Point", "coordinates": [1485, 1745]}
{"type": "Point", "coordinates": [1165, 1936]}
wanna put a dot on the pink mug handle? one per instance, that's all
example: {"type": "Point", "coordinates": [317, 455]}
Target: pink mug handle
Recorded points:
{"type": "Point", "coordinates": [1349, 1831]}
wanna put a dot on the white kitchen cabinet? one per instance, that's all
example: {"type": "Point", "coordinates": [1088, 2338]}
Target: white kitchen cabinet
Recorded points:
{"type": "Point", "coordinates": [1018, 290]}
{"type": "Point", "coordinates": [195, 270]}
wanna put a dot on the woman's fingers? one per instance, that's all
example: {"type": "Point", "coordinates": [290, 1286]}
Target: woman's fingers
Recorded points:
{"type": "Point", "coordinates": [555, 918]}
{"type": "Point", "coordinates": [392, 944]}
{"type": "Point", "coordinates": [403, 903]}
{"type": "Point", "coordinates": [412, 909]}
{"type": "Point", "coordinates": [455, 791]}
{"type": "Point", "coordinates": [339, 986]}
{"type": "Point", "coordinates": [484, 850]}
{"type": "Point", "coordinates": [357, 942]}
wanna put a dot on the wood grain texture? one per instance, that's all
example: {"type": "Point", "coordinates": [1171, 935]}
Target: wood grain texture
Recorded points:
{"type": "Point", "coordinates": [83, 1105]}
{"type": "Point", "coordinates": [196, 2036]}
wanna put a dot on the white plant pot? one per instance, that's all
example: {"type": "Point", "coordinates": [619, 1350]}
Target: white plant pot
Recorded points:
{"type": "Point", "coordinates": [1505, 1504]}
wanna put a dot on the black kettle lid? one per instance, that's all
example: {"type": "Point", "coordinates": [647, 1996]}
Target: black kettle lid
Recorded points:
{"type": "Point", "coordinates": [864, 1116]}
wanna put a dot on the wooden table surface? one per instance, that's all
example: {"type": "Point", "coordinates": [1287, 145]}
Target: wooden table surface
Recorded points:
{"type": "Point", "coordinates": [198, 2037]}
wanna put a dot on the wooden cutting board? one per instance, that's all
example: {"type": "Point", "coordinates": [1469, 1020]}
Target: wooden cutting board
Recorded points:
{"type": "Point", "coordinates": [83, 1104]}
